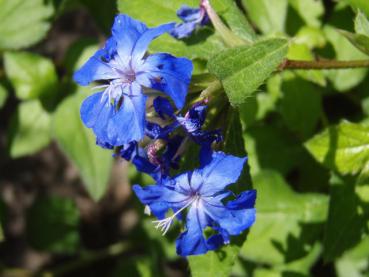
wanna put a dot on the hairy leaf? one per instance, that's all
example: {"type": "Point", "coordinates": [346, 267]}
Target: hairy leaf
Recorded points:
{"type": "Point", "coordinates": [243, 69]}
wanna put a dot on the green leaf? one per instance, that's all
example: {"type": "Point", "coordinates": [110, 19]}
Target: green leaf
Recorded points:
{"type": "Point", "coordinates": [361, 24]}
{"type": "Point", "coordinates": [268, 17]}
{"type": "Point", "coordinates": [31, 75]}
{"type": "Point", "coordinates": [361, 42]}
{"type": "Point", "coordinates": [214, 263]}
{"type": "Point", "coordinates": [252, 63]}
{"type": "Point", "coordinates": [24, 23]}
{"type": "Point", "coordinates": [361, 39]}
{"type": "Point", "coordinates": [3, 96]}
{"type": "Point", "coordinates": [346, 222]}
{"type": "Point", "coordinates": [359, 4]}
{"type": "Point", "coordinates": [268, 148]}
{"type": "Point", "coordinates": [286, 228]}
{"type": "Point", "coordinates": [78, 143]}
{"type": "Point", "coordinates": [29, 129]}
{"type": "Point", "coordinates": [309, 10]}
{"type": "Point", "coordinates": [344, 79]}
{"type": "Point", "coordinates": [52, 225]}
{"type": "Point", "coordinates": [203, 44]}
{"type": "Point", "coordinates": [344, 148]}
{"type": "Point", "coordinates": [300, 106]}
{"type": "Point", "coordinates": [238, 23]}
{"type": "Point", "coordinates": [354, 262]}
{"type": "Point", "coordinates": [102, 14]}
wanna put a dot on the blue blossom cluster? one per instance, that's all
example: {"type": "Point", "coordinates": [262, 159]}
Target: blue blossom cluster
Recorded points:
{"type": "Point", "coordinates": [127, 75]}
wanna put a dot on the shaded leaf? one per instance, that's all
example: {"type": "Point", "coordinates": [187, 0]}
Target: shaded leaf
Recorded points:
{"type": "Point", "coordinates": [78, 143]}
{"type": "Point", "coordinates": [287, 227]}
{"type": "Point", "coordinates": [359, 4]}
{"type": "Point", "coordinates": [309, 10]}
{"type": "Point", "coordinates": [3, 96]}
{"type": "Point", "coordinates": [300, 106]}
{"type": "Point", "coordinates": [52, 225]}
{"type": "Point", "coordinates": [346, 222]}
{"type": "Point", "coordinates": [268, 148]}
{"type": "Point", "coordinates": [252, 63]}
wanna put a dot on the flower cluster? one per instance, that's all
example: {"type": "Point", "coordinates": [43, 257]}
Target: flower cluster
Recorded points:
{"type": "Point", "coordinates": [121, 117]}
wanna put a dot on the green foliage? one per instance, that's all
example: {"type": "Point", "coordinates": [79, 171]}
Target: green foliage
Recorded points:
{"type": "Point", "coordinates": [359, 4]}
{"type": "Point", "coordinates": [360, 39]}
{"type": "Point", "coordinates": [31, 75]}
{"type": "Point", "coordinates": [269, 18]}
{"type": "Point", "coordinates": [24, 23]}
{"type": "Point", "coordinates": [30, 129]}
{"type": "Point", "coordinates": [343, 148]}
{"type": "Point", "coordinates": [253, 63]}
{"type": "Point", "coordinates": [346, 79]}
{"type": "Point", "coordinates": [218, 263]}
{"type": "Point", "coordinates": [305, 132]}
{"type": "Point", "coordinates": [287, 227]}
{"type": "Point", "coordinates": [300, 106]}
{"type": "Point", "coordinates": [52, 225]}
{"type": "Point", "coordinates": [78, 143]}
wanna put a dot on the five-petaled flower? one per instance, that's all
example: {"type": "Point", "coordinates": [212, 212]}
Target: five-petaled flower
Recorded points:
{"type": "Point", "coordinates": [202, 191]}
{"type": "Point", "coordinates": [192, 18]}
{"type": "Point", "coordinates": [117, 115]}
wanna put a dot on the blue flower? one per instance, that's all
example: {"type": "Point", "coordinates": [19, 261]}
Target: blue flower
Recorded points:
{"type": "Point", "coordinates": [117, 115]}
{"type": "Point", "coordinates": [192, 17]}
{"type": "Point", "coordinates": [149, 160]}
{"type": "Point", "coordinates": [192, 124]}
{"type": "Point", "coordinates": [202, 192]}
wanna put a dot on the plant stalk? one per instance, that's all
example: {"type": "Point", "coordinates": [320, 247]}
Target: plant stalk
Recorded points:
{"type": "Point", "coordinates": [322, 64]}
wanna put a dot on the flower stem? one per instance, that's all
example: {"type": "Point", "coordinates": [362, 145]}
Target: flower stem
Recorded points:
{"type": "Point", "coordinates": [322, 64]}
{"type": "Point", "coordinates": [227, 35]}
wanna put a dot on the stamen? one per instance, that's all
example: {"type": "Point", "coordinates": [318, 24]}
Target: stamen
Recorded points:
{"type": "Point", "coordinates": [164, 224]}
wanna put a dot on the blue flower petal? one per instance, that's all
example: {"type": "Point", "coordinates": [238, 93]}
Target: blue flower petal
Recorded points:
{"type": "Point", "coordinates": [155, 131]}
{"type": "Point", "coordinates": [133, 37]}
{"type": "Point", "coordinates": [115, 127]}
{"type": "Point", "coordinates": [233, 221]}
{"type": "Point", "coordinates": [163, 107]}
{"type": "Point", "coordinates": [143, 42]}
{"type": "Point", "coordinates": [95, 69]}
{"type": "Point", "coordinates": [192, 241]}
{"type": "Point", "coordinates": [152, 195]}
{"type": "Point", "coordinates": [246, 200]}
{"type": "Point", "coordinates": [126, 31]}
{"type": "Point", "coordinates": [168, 74]}
{"type": "Point", "coordinates": [183, 30]}
{"type": "Point", "coordinates": [187, 13]}
{"type": "Point", "coordinates": [222, 171]}
{"type": "Point", "coordinates": [160, 196]}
